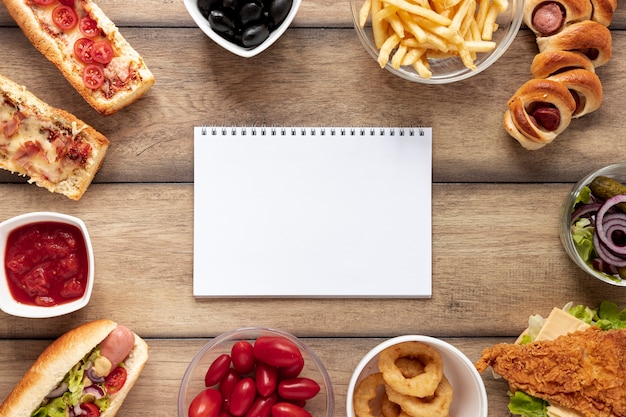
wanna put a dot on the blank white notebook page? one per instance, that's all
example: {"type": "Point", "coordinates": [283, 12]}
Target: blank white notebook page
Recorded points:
{"type": "Point", "coordinates": [312, 212]}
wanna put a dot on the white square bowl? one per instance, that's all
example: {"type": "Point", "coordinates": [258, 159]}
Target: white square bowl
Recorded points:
{"type": "Point", "coordinates": [7, 303]}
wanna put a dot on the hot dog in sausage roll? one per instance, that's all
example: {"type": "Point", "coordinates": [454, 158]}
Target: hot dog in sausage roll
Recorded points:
{"type": "Point", "coordinates": [87, 371]}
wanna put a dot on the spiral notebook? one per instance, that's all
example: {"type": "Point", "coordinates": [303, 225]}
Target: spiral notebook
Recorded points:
{"type": "Point", "coordinates": [312, 212]}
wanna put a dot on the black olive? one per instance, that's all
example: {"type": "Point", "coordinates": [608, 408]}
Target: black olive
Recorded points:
{"type": "Point", "coordinates": [206, 6]}
{"type": "Point", "coordinates": [279, 9]}
{"type": "Point", "coordinates": [250, 12]}
{"type": "Point", "coordinates": [254, 35]}
{"type": "Point", "coordinates": [220, 22]}
{"type": "Point", "coordinates": [232, 5]}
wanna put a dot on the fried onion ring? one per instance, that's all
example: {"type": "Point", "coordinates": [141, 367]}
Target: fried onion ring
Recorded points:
{"type": "Point", "coordinates": [365, 392]}
{"type": "Point", "coordinates": [388, 408]}
{"type": "Point", "coordinates": [410, 367]}
{"type": "Point", "coordinates": [422, 385]}
{"type": "Point", "coordinates": [436, 406]}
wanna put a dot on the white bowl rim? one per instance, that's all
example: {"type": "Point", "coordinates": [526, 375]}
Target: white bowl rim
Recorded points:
{"type": "Point", "coordinates": [8, 304]}
{"type": "Point", "coordinates": [203, 25]}
{"type": "Point", "coordinates": [411, 338]}
{"type": "Point", "coordinates": [330, 395]}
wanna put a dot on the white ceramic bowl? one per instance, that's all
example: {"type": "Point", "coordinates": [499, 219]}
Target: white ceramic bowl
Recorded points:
{"type": "Point", "coordinates": [470, 396]}
{"type": "Point", "coordinates": [203, 24]}
{"type": "Point", "coordinates": [448, 70]}
{"type": "Point", "coordinates": [7, 303]}
{"type": "Point", "coordinates": [322, 405]}
{"type": "Point", "coordinates": [615, 171]}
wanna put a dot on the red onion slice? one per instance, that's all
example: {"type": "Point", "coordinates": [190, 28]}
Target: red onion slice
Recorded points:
{"type": "Point", "coordinates": [584, 210]}
{"type": "Point", "coordinates": [606, 225]}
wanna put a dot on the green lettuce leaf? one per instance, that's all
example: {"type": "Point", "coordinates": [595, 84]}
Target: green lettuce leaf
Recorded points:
{"type": "Point", "coordinates": [527, 406]}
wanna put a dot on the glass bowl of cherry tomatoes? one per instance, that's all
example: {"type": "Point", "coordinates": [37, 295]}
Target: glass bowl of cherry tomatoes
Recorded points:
{"type": "Point", "coordinates": [256, 371]}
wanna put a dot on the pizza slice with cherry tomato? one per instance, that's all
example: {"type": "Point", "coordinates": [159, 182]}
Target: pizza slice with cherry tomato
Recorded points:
{"type": "Point", "coordinates": [88, 49]}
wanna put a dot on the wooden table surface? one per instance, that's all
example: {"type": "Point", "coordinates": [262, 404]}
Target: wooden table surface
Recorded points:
{"type": "Point", "coordinates": [497, 257]}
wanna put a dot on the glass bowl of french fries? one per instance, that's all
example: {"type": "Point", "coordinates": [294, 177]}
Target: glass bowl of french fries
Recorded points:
{"type": "Point", "coordinates": [436, 41]}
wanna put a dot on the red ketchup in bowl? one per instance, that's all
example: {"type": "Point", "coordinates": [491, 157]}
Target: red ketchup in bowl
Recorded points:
{"type": "Point", "coordinates": [46, 263]}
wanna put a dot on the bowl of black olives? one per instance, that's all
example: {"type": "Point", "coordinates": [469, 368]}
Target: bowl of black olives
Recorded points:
{"type": "Point", "coordinates": [243, 27]}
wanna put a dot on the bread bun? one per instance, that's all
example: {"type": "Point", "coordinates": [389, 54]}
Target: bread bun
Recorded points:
{"type": "Point", "coordinates": [587, 89]}
{"type": "Point", "coordinates": [588, 37]}
{"type": "Point", "coordinates": [561, 13]}
{"type": "Point", "coordinates": [59, 357]}
{"type": "Point", "coordinates": [549, 63]}
{"type": "Point", "coordinates": [521, 118]}
{"type": "Point", "coordinates": [603, 11]}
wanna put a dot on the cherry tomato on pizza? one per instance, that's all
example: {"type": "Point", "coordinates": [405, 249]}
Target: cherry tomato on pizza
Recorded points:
{"type": "Point", "coordinates": [88, 27]}
{"type": "Point", "coordinates": [83, 49]}
{"type": "Point", "coordinates": [102, 52]}
{"type": "Point", "coordinates": [93, 76]}
{"type": "Point", "coordinates": [116, 380]}
{"type": "Point", "coordinates": [69, 3]}
{"type": "Point", "coordinates": [64, 17]}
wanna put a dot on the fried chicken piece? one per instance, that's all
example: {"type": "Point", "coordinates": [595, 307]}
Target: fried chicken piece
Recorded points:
{"type": "Point", "coordinates": [584, 370]}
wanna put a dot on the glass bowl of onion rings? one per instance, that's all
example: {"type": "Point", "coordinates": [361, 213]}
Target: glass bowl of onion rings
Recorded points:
{"type": "Point", "coordinates": [417, 375]}
{"type": "Point", "coordinates": [593, 224]}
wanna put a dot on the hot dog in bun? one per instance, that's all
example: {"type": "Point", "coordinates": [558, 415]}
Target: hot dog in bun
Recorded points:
{"type": "Point", "coordinates": [87, 371]}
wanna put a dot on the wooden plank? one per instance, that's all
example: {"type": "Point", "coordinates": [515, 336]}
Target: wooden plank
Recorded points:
{"type": "Point", "coordinates": [497, 259]}
{"type": "Point", "coordinates": [316, 78]}
{"type": "Point", "coordinates": [155, 13]}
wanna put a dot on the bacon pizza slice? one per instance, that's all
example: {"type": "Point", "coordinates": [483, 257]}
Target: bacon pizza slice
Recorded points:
{"type": "Point", "coordinates": [52, 147]}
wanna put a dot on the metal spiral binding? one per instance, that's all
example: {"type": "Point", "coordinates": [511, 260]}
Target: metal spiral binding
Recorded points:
{"type": "Point", "coordinates": [312, 131]}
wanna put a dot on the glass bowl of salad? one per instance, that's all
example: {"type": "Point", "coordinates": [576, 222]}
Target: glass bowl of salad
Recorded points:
{"type": "Point", "coordinates": [593, 224]}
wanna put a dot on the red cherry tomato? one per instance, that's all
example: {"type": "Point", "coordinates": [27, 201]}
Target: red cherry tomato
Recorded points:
{"type": "Point", "coordinates": [217, 370]}
{"type": "Point", "coordinates": [224, 413]}
{"type": "Point", "coordinates": [242, 353]}
{"type": "Point", "coordinates": [228, 384]}
{"type": "Point", "coordinates": [242, 397]}
{"type": "Point", "coordinates": [102, 52]}
{"type": "Point", "coordinates": [88, 27]}
{"type": "Point", "coordinates": [90, 409]}
{"type": "Point", "coordinates": [93, 76]}
{"type": "Point", "coordinates": [276, 351]}
{"type": "Point", "coordinates": [116, 380]}
{"type": "Point", "coordinates": [64, 17]}
{"type": "Point", "coordinates": [83, 49]}
{"type": "Point", "coordinates": [288, 372]}
{"type": "Point", "coordinates": [69, 3]}
{"type": "Point", "coordinates": [207, 403]}
{"type": "Point", "coordinates": [298, 388]}
{"type": "Point", "coordinates": [284, 409]}
{"type": "Point", "coordinates": [266, 378]}
{"type": "Point", "coordinates": [262, 406]}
